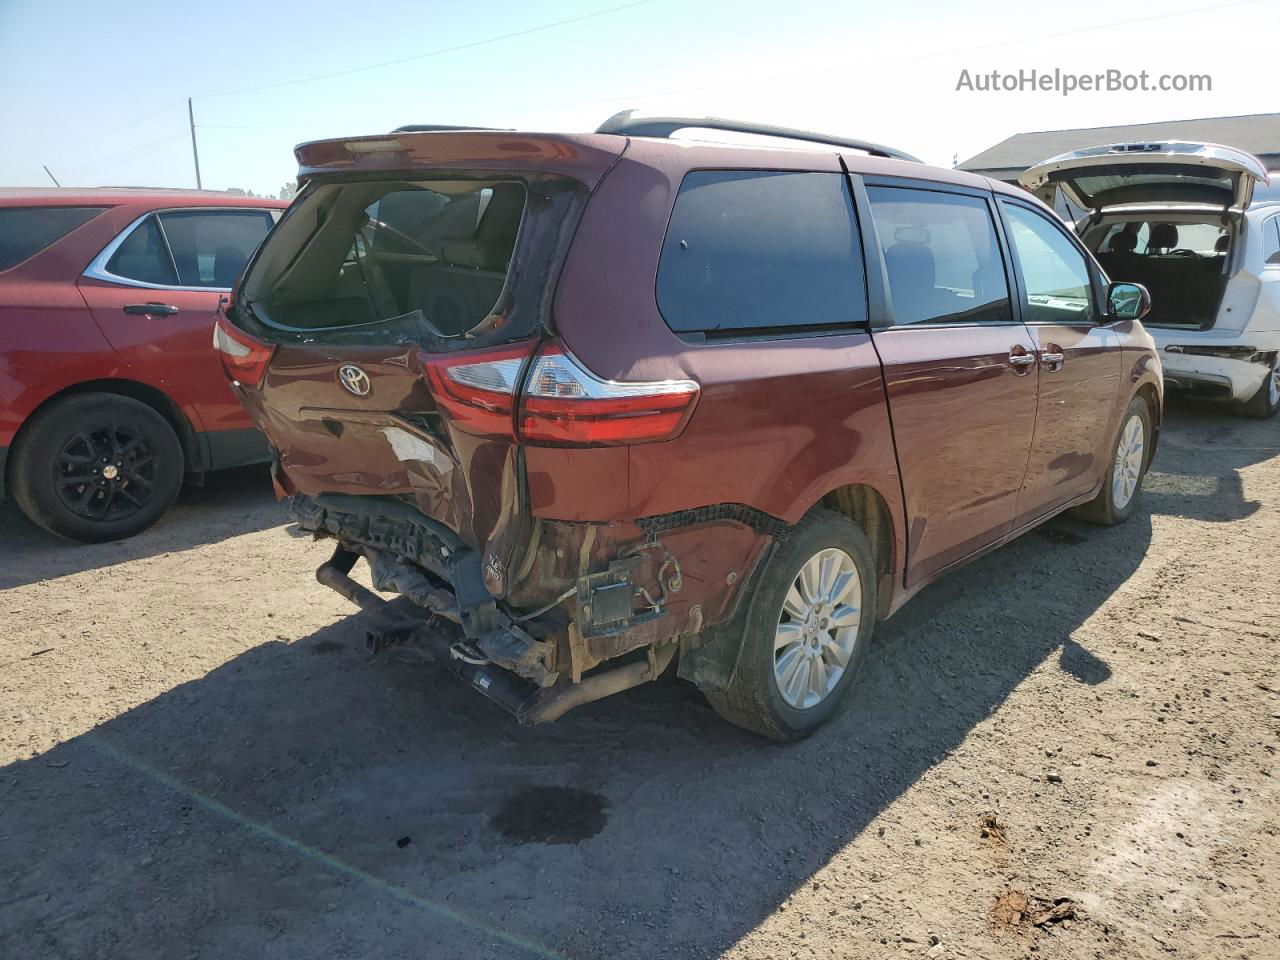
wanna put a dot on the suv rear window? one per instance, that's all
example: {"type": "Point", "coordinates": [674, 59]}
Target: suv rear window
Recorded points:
{"type": "Point", "coordinates": [753, 250]}
{"type": "Point", "coordinates": [25, 231]}
{"type": "Point", "coordinates": [422, 253]}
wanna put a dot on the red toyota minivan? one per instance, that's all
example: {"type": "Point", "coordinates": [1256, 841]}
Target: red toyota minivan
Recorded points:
{"type": "Point", "coordinates": [598, 400]}
{"type": "Point", "coordinates": [109, 389]}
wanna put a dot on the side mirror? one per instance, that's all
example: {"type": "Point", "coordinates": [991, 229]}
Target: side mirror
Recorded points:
{"type": "Point", "coordinates": [1128, 301]}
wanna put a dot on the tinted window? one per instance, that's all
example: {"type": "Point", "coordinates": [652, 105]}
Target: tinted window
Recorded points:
{"type": "Point", "coordinates": [1270, 238]}
{"type": "Point", "coordinates": [942, 257]}
{"type": "Point", "coordinates": [752, 250]}
{"type": "Point", "coordinates": [143, 256]}
{"type": "Point", "coordinates": [211, 247]}
{"type": "Point", "coordinates": [1054, 273]}
{"type": "Point", "coordinates": [25, 231]}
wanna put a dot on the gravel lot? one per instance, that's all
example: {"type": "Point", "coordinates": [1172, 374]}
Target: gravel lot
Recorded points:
{"type": "Point", "coordinates": [200, 761]}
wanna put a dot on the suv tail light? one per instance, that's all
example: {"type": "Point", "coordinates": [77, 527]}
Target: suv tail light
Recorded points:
{"type": "Point", "coordinates": [562, 403]}
{"type": "Point", "coordinates": [477, 390]}
{"type": "Point", "coordinates": [244, 358]}
{"type": "Point", "coordinates": [566, 404]}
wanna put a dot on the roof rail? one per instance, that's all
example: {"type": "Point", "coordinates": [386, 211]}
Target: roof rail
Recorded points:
{"type": "Point", "coordinates": [627, 124]}
{"type": "Point", "coordinates": [440, 128]}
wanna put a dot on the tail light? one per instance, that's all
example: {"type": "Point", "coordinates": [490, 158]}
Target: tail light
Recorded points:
{"type": "Point", "coordinates": [562, 403]}
{"type": "Point", "coordinates": [244, 358]}
{"type": "Point", "coordinates": [477, 390]}
{"type": "Point", "coordinates": [566, 404]}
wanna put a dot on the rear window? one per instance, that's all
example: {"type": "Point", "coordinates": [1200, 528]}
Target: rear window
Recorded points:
{"type": "Point", "coordinates": [753, 251]}
{"type": "Point", "coordinates": [1126, 184]}
{"type": "Point", "coordinates": [25, 231]}
{"type": "Point", "coordinates": [424, 254]}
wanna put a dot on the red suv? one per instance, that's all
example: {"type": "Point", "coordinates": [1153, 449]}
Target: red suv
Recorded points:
{"type": "Point", "coordinates": [109, 389]}
{"type": "Point", "coordinates": [600, 399]}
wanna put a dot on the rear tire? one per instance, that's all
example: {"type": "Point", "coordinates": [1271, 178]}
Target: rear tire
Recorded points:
{"type": "Point", "coordinates": [1264, 404]}
{"type": "Point", "coordinates": [794, 650]}
{"type": "Point", "coordinates": [95, 467]}
{"type": "Point", "coordinates": [1118, 498]}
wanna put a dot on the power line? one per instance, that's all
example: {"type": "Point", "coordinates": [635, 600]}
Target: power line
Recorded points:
{"type": "Point", "coordinates": [880, 63]}
{"type": "Point", "coordinates": [431, 53]}
{"type": "Point", "coordinates": [117, 128]}
{"type": "Point", "coordinates": [137, 156]}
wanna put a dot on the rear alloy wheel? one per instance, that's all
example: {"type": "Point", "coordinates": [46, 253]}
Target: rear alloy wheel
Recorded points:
{"type": "Point", "coordinates": [96, 467]}
{"type": "Point", "coordinates": [1118, 497]}
{"type": "Point", "coordinates": [817, 628]}
{"type": "Point", "coordinates": [809, 627]}
{"type": "Point", "coordinates": [1264, 404]}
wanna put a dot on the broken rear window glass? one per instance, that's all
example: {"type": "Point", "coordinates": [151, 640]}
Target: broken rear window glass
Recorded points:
{"type": "Point", "coordinates": [421, 254]}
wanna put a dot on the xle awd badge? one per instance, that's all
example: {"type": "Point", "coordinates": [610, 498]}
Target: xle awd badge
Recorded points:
{"type": "Point", "coordinates": [354, 379]}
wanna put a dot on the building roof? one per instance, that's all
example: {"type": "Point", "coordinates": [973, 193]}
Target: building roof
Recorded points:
{"type": "Point", "coordinates": [1257, 133]}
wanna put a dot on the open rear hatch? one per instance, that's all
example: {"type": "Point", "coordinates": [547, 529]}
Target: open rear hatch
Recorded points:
{"type": "Point", "coordinates": [1170, 172]}
{"type": "Point", "coordinates": [351, 335]}
{"type": "Point", "coordinates": [1166, 215]}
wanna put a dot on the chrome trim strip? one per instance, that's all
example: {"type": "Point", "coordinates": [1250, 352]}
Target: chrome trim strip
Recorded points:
{"type": "Point", "coordinates": [97, 269]}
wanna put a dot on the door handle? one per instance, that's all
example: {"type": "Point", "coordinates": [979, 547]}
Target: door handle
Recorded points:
{"type": "Point", "coordinates": [1021, 362]}
{"type": "Point", "coordinates": [152, 309]}
{"type": "Point", "coordinates": [1052, 360]}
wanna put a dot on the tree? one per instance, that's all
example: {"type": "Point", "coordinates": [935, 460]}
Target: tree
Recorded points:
{"type": "Point", "coordinates": [289, 190]}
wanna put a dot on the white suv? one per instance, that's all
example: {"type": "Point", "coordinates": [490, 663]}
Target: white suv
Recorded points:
{"type": "Point", "coordinates": [1183, 219]}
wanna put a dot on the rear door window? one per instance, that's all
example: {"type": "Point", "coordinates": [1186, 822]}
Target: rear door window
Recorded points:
{"type": "Point", "coordinates": [1055, 274]}
{"type": "Point", "coordinates": [211, 247]}
{"type": "Point", "coordinates": [752, 251]}
{"type": "Point", "coordinates": [942, 257]}
{"type": "Point", "coordinates": [25, 231]}
{"type": "Point", "coordinates": [190, 248]}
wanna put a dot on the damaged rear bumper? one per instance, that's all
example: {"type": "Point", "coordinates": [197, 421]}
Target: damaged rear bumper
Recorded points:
{"type": "Point", "coordinates": [629, 601]}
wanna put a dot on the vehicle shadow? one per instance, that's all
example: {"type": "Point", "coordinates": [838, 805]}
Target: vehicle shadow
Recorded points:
{"type": "Point", "coordinates": [1183, 482]}
{"type": "Point", "coordinates": [304, 799]}
{"type": "Point", "coordinates": [230, 503]}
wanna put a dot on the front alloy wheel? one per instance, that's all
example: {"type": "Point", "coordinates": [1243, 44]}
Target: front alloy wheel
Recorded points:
{"type": "Point", "coordinates": [1118, 497]}
{"type": "Point", "coordinates": [1131, 452]}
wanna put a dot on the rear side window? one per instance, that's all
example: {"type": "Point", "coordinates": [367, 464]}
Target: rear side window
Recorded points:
{"type": "Point", "coordinates": [941, 256]}
{"type": "Point", "coordinates": [210, 247]}
{"type": "Point", "coordinates": [190, 248]}
{"type": "Point", "coordinates": [143, 256]}
{"type": "Point", "coordinates": [757, 250]}
{"type": "Point", "coordinates": [25, 231]}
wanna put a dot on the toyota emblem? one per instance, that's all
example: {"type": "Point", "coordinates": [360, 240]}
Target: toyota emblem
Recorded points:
{"type": "Point", "coordinates": [354, 379]}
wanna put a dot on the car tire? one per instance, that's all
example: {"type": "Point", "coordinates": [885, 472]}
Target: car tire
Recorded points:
{"type": "Point", "coordinates": [1264, 404]}
{"type": "Point", "coordinates": [1118, 498]}
{"type": "Point", "coordinates": [126, 455]}
{"type": "Point", "coordinates": [786, 633]}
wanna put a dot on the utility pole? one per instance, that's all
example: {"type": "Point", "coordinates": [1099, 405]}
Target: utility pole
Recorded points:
{"type": "Point", "coordinates": [195, 154]}
{"type": "Point", "coordinates": [51, 176]}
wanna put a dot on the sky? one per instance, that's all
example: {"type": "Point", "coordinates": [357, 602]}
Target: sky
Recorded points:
{"type": "Point", "coordinates": [98, 92]}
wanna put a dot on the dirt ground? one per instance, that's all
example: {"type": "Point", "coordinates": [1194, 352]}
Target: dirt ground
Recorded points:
{"type": "Point", "coordinates": [1066, 750]}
